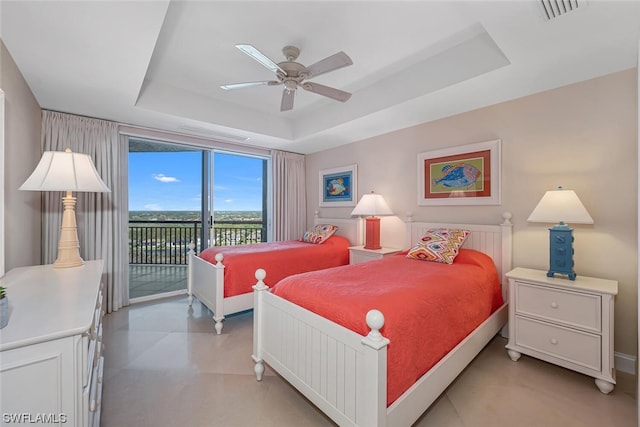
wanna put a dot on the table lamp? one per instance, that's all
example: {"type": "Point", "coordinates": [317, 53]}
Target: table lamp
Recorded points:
{"type": "Point", "coordinates": [66, 171]}
{"type": "Point", "coordinates": [559, 206]}
{"type": "Point", "coordinates": [372, 205]}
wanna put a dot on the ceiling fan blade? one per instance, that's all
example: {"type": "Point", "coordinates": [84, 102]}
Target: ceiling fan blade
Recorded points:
{"type": "Point", "coordinates": [260, 57]}
{"type": "Point", "coordinates": [333, 93]}
{"type": "Point", "coordinates": [287, 100]}
{"type": "Point", "coordinates": [329, 63]}
{"type": "Point", "coordinates": [247, 84]}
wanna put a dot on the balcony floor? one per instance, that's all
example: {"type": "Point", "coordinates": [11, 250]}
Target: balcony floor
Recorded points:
{"type": "Point", "coordinates": [151, 280]}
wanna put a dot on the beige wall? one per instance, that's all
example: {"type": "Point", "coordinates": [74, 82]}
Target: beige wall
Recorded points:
{"type": "Point", "coordinates": [582, 136]}
{"type": "Point", "coordinates": [22, 153]}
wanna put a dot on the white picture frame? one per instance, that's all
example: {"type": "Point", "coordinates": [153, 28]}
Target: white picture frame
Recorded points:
{"type": "Point", "coordinates": [338, 186]}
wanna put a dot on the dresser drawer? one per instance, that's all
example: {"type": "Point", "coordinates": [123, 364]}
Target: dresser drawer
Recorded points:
{"type": "Point", "coordinates": [94, 416]}
{"type": "Point", "coordinates": [92, 396]}
{"type": "Point", "coordinates": [571, 308]}
{"type": "Point", "coordinates": [92, 341]}
{"type": "Point", "coordinates": [580, 348]}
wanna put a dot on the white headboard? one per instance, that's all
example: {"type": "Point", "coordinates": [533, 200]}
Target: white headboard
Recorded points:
{"type": "Point", "coordinates": [493, 240]}
{"type": "Point", "coordinates": [351, 228]}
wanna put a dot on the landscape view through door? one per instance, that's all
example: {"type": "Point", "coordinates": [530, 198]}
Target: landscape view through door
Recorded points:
{"type": "Point", "coordinates": [181, 194]}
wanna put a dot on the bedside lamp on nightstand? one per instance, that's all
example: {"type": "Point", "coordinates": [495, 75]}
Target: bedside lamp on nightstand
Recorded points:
{"type": "Point", "coordinates": [372, 205]}
{"type": "Point", "coordinates": [559, 206]}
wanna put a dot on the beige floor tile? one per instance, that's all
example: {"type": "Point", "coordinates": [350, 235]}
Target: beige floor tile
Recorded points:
{"type": "Point", "coordinates": [442, 414]}
{"type": "Point", "coordinates": [166, 366]}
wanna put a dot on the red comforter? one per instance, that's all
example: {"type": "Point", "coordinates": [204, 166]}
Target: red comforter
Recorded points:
{"type": "Point", "coordinates": [428, 307]}
{"type": "Point", "coordinates": [279, 259]}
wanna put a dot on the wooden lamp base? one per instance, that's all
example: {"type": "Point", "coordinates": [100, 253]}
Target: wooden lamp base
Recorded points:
{"type": "Point", "coordinates": [68, 245]}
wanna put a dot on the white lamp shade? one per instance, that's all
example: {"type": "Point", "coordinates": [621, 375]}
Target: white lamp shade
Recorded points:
{"type": "Point", "coordinates": [65, 171]}
{"type": "Point", "coordinates": [372, 205]}
{"type": "Point", "coordinates": [560, 205]}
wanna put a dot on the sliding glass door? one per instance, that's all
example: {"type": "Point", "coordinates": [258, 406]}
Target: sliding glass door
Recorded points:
{"type": "Point", "coordinates": [239, 203]}
{"type": "Point", "coordinates": [180, 195]}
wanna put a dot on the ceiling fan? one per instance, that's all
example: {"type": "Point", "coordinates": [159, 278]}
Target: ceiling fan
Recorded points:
{"type": "Point", "coordinates": [292, 74]}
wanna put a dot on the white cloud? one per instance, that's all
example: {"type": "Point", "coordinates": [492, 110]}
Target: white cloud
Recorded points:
{"type": "Point", "coordinates": [163, 178]}
{"type": "Point", "coordinates": [228, 200]}
{"type": "Point", "coordinates": [153, 207]}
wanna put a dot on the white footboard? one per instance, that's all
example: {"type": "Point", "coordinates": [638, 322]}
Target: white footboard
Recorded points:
{"type": "Point", "coordinates": [341, 372]}
{"type": "Point", "coordinates": [206, 282]}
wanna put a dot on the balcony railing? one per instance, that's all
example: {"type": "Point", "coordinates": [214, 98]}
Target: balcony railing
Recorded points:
{"type": "Point", "coordinates": [167, 242]}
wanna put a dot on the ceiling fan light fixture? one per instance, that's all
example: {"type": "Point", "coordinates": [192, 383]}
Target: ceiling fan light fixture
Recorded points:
{"type": "Point", "coordinates": [291, 53]}
{"type": "Point", "coordinates": [292, 74]}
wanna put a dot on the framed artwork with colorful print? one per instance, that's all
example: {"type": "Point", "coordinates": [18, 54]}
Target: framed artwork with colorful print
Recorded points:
{"type": "Point", "coordinates": [462, 175]}
{"type": "Point", "coordinates": [338, 186]}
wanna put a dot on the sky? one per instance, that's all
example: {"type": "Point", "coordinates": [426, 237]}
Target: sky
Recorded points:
{"type": "Point", "coordinates": [171, 181]}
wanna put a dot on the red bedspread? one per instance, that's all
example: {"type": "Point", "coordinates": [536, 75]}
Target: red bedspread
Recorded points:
{"type": "Point", "coordinates": [428, 307]}
{"type": "Point", "coordinates": [279, 259]}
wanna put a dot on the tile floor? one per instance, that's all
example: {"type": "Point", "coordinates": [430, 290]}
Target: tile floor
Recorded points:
{"type": "Point", "coordinates": [165, 366]}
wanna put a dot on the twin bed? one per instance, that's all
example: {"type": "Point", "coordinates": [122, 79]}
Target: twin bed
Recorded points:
{"type": "Point", "coordinates": [374, 344]}
{"type": "Point", "coordinates": [221, 278]}
{"type": "Point", "coordinates": [371, 344]}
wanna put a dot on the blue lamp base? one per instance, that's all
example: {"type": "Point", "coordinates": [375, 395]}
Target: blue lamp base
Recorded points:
{"type": "Point", "coordinates": [561, 251]}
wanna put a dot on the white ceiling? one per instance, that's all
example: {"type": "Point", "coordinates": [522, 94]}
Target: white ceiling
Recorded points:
{"type": "Point", "coordinates": [160, 64]}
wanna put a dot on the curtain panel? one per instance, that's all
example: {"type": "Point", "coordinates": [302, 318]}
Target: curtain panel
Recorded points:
{"type": "Point", "coordinates": [289, 195]}
{"type": "Point", "coordinates": [101, 217]}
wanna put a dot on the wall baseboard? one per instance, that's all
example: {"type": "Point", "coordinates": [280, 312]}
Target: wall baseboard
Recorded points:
{"type": "Point", "coordinates": [625, 363]}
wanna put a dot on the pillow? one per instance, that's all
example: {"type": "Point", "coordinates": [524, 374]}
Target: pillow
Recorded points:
{"type": "Point", "coordinates": [439, 245]}
{"type": "Point", "coordinates": [319, 233]}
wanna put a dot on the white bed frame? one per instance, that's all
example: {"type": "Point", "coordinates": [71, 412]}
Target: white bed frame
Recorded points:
{"type": "Point", "coordinates": [206, 280]}
{"type": "Point", "coordinates": [343, 373]}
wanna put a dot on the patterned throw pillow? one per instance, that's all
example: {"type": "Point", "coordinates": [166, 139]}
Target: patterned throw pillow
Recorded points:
{"type": "Point", "coordinates": [319, 233]}
{"type": "Point", "coordinates": [439, 245]}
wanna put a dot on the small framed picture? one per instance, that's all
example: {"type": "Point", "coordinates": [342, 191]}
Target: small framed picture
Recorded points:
{"type": "Point", "coordinates": [463, 175]}
{"type": "Point", "coordinates": [338, 186]}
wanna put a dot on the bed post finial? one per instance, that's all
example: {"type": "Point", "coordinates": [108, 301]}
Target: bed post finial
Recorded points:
{"type": "Point", "coordinates": [375, 321]}
{"type": "Point", "coordinates": [409, 216]}
{"type": "Point", "coordinates": [260, 276]}
{"type": "Point", "coordinates": [507, 217]}
{"type": "Point", "coordinates": [192, 247]}
{"type": "Point", "coordinates": [219, 257]}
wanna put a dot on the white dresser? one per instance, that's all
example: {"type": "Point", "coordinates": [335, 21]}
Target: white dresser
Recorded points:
{"type": "Point", "coordinates": [51, 351]}
{"type": "Point", "coordinates": [565, 322]}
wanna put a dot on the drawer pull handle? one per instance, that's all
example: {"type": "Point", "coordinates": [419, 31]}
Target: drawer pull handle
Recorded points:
{"type": "Point", "coordinates": [554, 341]}
{"type": "Point", "coordinates": [554, 305]}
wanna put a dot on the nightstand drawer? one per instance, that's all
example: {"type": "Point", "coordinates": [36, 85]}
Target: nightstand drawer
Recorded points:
{"type": "Point", "coordinates": [573, 346]}
{"type": "Point", "coordinates": [571, 308]}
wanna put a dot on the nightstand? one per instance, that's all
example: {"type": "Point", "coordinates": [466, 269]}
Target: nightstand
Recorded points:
{"type": "Point", "coordinates": [565, 322]}
{"type": "Point", "coordinates": [358, 254]}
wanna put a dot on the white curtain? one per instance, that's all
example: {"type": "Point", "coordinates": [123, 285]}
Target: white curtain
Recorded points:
{"type": "Point", "coordinates": [101, 217]}
{"type": "Point", "coordinates": [289, 189]}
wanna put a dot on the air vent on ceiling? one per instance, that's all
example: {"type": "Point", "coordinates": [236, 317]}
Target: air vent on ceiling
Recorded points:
{"type": "Point", "coordinates": [213, 133]}
{"type": "Point", "coordinates": [555, 8]}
